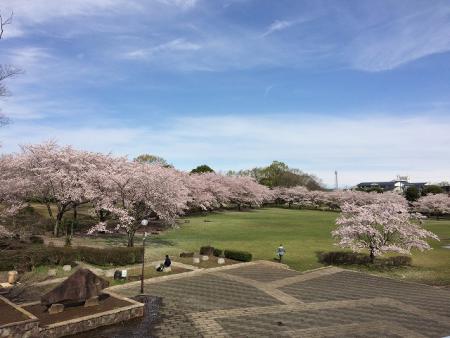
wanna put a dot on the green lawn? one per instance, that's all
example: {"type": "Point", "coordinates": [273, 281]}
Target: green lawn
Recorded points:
{"type": "Point", "coordinates": [302, 232]}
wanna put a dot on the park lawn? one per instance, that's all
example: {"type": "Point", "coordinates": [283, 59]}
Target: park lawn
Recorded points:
{"type": "Point", "coordinates": [302, 232]}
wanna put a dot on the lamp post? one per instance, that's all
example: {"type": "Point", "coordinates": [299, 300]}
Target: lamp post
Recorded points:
{"type": "Point", "coordinates": [144, 223]}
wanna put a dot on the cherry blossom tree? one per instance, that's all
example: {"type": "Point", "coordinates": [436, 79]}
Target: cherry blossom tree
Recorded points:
{"type": "Point", "coordinates": [201, 192]}
{"type": "Point", "coordinates": [380, 227]}
{"type": "Point", "coordinates": [132, 191]}
{"type": "Point", "coordinates": [51, 175]}
{"type": "Point", "coordinates": [437, 205]}
{"type": "Point", "coordinates": [245, 191]}
{"type": "Point", "coordinates": [4, 233]}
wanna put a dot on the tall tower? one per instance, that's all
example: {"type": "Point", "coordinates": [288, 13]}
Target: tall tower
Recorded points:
{"type": "Point", "coordinates": [336, 185]}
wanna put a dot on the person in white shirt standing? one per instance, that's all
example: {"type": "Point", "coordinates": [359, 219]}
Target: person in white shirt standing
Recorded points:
{"type": "Point", "coordinates": [281, 251]}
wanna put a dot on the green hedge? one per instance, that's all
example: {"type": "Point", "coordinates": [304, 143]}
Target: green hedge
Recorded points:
{"type": "Point", "coordinates": [350, 258]}
{"type": "Point", "coordinates": [238, 255]}
{"type": "Point", "coordinates": [206, 250]}
{"type": "Point", "coordinates": [25, 259]}
{"type": "Point", "coordinates": [218, 252]}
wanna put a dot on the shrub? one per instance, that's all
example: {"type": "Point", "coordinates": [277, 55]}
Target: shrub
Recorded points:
{"type": "Point", "coordinates": [36, 239]}
{"type": "Point", "coordinates": [187, 254]}
{"type": "Point", "coordinates": [218, 252]}
{"type": "Point", "coordinates": [206, 250]}
{"type": "Point", "coordinates": [348, 258]}
{"type": "Point", "coordinates": [26, 259]}
{"type": "Point", "coordinates": [238, 255]}
{"type": "Point", "coordinates": [110, 256]}
{"type": "Point", "coordinates": [398, 261]}
{"type": "Point", "coordinates": [343, 257]}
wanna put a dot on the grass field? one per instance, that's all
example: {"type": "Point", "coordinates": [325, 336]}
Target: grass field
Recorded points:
{"type": "Point", "coordinates": [260, 231]}
{"type": "Point", "coordinates": [302, 232]}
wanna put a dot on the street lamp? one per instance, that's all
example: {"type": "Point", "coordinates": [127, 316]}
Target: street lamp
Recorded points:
{"type": "Point", "coordinates": [144, 223]}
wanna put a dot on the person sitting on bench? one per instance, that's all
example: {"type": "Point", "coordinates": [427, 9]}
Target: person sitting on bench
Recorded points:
{"type": "Point", "coordinates": [167, 263]}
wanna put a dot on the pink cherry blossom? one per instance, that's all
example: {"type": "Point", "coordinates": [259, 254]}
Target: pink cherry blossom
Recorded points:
{"type": "Point", "coordinates": [437, 205]}
{"type": "Point", "coordinates": [381, 227]}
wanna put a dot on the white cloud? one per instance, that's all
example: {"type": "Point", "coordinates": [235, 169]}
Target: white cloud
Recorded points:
{"type": "Point", "coordinates": [278, 25]}
{"type": "Point", "coordinates": [410, 35]}
{"type": "Point", "coordinates": [183, 4]}
{"type": "Point", "coordinates": [176, 45]}
{"type": "Point", "coordinates": [360, 148]}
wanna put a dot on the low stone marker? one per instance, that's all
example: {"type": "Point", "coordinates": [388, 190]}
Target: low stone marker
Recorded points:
{"type": "Point", "coordinates": [205, 258]}
{"type": "Point", "coordinates": [51, 272]}
{"type": "Point", "coordinates": [221, 261]}
{"type": "Point", "coordinates": [168, 269]}
{"type": "Point", "coordinates": [12, 277]}
{"type": "Point", "coordinates": [196, 260]}
{"type": "Point", "coordinates": [56, 308]}
{"type": "Point", "coordinates": [93, 301]}
{"type": "Point", "coordinates": [67, 268]}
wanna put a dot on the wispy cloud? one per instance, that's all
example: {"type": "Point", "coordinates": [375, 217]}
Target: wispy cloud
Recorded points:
{"type": "Point", "coordinates": [354, 146]}
{"type": "Point", "coordinates": [411, 35]}
{"type": "Point", "coordinates": [176, 45]}
{"type": "Point", "coordinates": [277, 25]}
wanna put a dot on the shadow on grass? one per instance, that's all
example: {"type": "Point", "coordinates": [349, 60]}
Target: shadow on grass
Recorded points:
{"type": "Point", "coordinates": [159, 241]}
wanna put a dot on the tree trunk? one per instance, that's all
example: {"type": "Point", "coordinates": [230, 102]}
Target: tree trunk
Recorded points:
{"type": "Point", "coordinates": [102, 215]}
{"type": "Point", "coordinates": [130, 238]}
{"type": "Point", "coordinates": [75, 213]}
{"type": "Point", "coordinates": [59, 217]}
{"type": "Point", "coordinates": [372, 256]}
{"type": "Point", "coordinates": [49, 210]}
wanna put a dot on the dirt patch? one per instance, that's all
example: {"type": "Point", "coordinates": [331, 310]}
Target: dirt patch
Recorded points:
{"type": "Point", "coordinates": [45, 318]}
{"type": "Point", "coordinates": [9, 314]}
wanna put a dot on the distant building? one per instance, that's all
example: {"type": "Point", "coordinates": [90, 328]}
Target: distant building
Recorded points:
{"type": "Point", "coordinates": [398, 185]}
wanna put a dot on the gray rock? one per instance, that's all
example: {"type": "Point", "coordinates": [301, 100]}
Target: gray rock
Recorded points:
{"type": "Point", "coordinates": [91, 302]}
{"type": "Point", "coordinates": [80, 286]}
{"type": "Point", "coordinates": [56, 308]}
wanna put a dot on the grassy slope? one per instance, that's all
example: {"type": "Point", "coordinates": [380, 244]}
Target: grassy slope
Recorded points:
{"type": "Point", "coordinates": [302, 232]}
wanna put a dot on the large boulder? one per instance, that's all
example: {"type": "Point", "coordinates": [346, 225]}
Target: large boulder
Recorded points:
{"type": "Point", "coordinates": [80, 286]}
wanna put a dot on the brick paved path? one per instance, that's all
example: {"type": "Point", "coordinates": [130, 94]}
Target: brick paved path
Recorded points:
{"type": "Point", "coordinates": [264, 299]}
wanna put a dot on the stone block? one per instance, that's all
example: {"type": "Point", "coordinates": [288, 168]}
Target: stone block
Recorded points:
{"type": "Point", "coordinates": [52, 272]}
{"type": "Point", "coordinates": [109, 273]}
{"type": "Point", "coordinates": [196, 260]}
{"type": "Point", "coordinates": [67, 268]}
{"type": "Point", "coordinates": [12, 277]}
{"type": "Point", "coordinates": [168, 269]}
{"type": "Point", "coordinates": [56, 308]}
{"type": "Point", "coordinates": [91, 302]}
{"type": "Point", "coordinates": [221, 261]}
{"type": "Point", "coordinates": [205, 258]}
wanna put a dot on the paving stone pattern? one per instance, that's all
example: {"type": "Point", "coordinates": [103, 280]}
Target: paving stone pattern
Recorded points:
{"type": "Point", "coordinates": [264, 299]}
{"type": "Point", "coordinates": [355, 285]}
{"type": "Point", "coordinates": [263, 273]}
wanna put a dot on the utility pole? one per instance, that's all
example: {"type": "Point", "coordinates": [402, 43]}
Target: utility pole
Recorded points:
{"type": "Point", "coordinates": [336, 185]}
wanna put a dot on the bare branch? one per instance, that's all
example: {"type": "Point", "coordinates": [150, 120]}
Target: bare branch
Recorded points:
{"type": "Point", "coordinates": [5, 22]}
{"type": "Point", "coordinates": [7, 72]}
{"type": "Point", "coordinates": [4, 120]}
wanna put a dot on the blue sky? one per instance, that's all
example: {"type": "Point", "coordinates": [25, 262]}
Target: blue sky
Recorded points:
{"type": "Point", "coordinates": [357, 86]}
